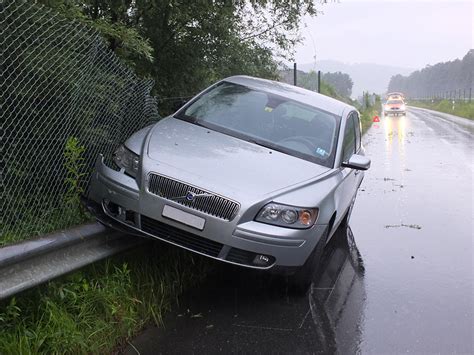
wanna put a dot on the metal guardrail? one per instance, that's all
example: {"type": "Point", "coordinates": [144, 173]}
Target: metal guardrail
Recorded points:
{"type": "Point", "coordinates": [28, 264]}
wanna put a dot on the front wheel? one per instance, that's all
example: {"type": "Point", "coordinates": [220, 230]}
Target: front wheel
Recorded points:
{"type": "Point", "coordinates": [301, 280]}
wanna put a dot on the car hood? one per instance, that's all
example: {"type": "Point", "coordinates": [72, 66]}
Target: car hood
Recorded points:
{"type": "Point", "coordinates": [221, 163]}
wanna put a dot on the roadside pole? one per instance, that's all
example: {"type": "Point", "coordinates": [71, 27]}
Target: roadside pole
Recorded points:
{"type": "Point", "coordinates": [294, 74]}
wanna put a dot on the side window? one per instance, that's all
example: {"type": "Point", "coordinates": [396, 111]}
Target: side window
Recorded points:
{"type": "Point", "coordinates": [349, 139]}
{"type": "Point", "coordinates": [357, 128]}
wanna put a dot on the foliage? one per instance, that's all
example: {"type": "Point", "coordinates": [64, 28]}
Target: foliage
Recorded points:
{"type": "Point", "coordinates": [75, 165]}
{"type": "Point", "coordinates": [185, 45]}
{"type": "Point", "coordinates": [123, 38]}
{"type": "Point", "coordinates": [100, 307]}
{"type": "Point", "coordinates": [461, 109]}
{"type": "Point", "coordinates": [368, 110]}
{"type": "Point", "coordinates": [341, 82]}
{"type": "Point", "coordinates": [436, 79]}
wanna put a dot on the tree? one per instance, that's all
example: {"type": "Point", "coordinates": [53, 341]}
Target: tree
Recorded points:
{"type": "Point", "coordinates": [342, 82]}
{"type": "Point", "coordinates": [440, 79]}
{"type": "Point", "coordinates": [184, 45]}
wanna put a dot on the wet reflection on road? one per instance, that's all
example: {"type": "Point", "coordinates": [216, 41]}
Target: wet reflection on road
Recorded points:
{"type": "Point", "coordinates": [250, 312]}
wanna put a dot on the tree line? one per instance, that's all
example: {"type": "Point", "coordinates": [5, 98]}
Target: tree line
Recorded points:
{"type": "Point", "coordinates": [335, 84]}
{"type": "Point", "coordinates": [438, 79]}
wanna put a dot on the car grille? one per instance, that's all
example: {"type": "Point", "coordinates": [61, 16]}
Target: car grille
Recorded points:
{"type": "Point", "coordinates": [176, 191]}
{"type": "Point", "coordinates": [180, 237]}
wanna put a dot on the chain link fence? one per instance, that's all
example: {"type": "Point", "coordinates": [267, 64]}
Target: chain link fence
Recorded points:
{"type": "Point", "coordinates": [59, 83]}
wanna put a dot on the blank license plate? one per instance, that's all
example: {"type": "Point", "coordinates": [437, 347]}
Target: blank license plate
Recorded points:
{"type": "Point", "coordinates": [183, 217]}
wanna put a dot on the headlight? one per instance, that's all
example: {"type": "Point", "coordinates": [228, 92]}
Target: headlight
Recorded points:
{"type": "Point", "coordinates": [287, 216]}
{"type": "Point", "coordinates": [127, 160]}
{"type": "Point", "coordinates": [403, 107]}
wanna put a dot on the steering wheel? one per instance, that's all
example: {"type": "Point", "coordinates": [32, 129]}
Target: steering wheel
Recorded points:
{"type": "Point", "coordinates": [309, 142]}
{"type": "Point", "coordinates": [306, 141]}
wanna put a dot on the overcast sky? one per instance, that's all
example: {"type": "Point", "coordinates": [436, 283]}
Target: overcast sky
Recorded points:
{"type": "Point", "coordinates": [406, 33]}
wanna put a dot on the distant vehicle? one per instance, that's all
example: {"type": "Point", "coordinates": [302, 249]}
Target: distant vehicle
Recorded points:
{"type": "Point", "coordinates": [395, 96]}
{"type": "Point", "coordinates": [250, 172]}
{"type": "Point", "coordinates": [394, 107]}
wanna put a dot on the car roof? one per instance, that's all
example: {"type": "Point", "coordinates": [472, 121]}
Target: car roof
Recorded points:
{"type": "Point", "coordinates": [295, 93]}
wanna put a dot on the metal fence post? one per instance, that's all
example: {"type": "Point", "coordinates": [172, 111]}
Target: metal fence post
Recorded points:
{"type": "Point", "coordinates": [319, 81]}
{"type": "Point", "coordinates": [294, 74]}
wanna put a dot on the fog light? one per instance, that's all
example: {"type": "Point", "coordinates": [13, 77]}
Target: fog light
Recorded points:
{"type": "Point", "coordinates": [111, 207]}
{"type": "Point", "coordinates": [261, 260]}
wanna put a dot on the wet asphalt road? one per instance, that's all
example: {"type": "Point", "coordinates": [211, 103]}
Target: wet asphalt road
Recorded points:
{"type": "Point", "coordinates": [400, 280]}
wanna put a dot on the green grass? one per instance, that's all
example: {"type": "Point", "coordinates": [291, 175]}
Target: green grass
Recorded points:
{"type": "Point", "coordinates": [97, 309]}
{"type": "Point", "coordinates": [461, 109]}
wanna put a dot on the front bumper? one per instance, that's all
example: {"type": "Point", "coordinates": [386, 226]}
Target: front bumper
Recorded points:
{"type": "Point", "coordinates": [118, 201]}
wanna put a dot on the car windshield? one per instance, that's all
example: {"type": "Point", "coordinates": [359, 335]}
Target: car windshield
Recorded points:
{"type": "Point", "coordinates": [395, 102]}
{"type": "Point", "coordinates": [266, 119]}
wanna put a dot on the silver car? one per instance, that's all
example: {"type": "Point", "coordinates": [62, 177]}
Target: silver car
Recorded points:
{"type": "Point", "coordinates": [250, 172]}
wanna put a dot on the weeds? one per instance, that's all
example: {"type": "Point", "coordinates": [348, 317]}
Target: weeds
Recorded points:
{"type": "Point", "coordinates": [74, 165]}
{"type": "Point", "coordinates": [100, 307]}
{"type": "Point", "coordinates": [56, 212]}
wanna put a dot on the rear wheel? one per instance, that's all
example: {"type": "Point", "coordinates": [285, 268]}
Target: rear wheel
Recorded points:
{"type": "Point", "coordinates": [301, 280]}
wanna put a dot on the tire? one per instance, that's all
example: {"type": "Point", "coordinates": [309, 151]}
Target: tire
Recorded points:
{"type": "Point", "coordinates": [301, 280]}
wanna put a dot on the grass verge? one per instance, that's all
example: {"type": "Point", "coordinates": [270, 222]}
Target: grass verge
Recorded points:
{"type": "Point", "coordinates": [461, 109]}
{"type": "Point", "coordinates": [367, 114]}
{"type": "Point", "coordinates": [366, 118]}
{"type": "Point", "coordinates": [97, 309]}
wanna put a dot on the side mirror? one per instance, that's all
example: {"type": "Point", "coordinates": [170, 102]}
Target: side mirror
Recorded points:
{"type": "Point", "coordinates": [358, 162]}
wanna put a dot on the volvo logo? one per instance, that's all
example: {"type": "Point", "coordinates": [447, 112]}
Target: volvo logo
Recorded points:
{"type": "Point", "coordinates": [190, 196]}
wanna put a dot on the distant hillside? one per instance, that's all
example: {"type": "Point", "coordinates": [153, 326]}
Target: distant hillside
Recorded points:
{"type": "Point", "coordinates": [437, 79]}
{"type": "Point", "coordinates": [366, 76]}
